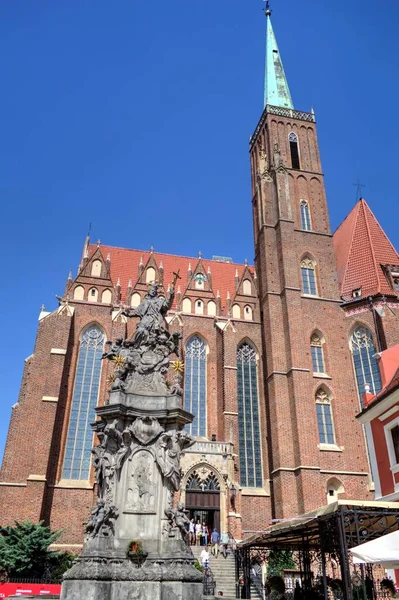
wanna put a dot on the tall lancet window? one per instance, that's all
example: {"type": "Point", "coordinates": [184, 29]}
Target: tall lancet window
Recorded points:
{"type": "Point", "coordinates": [305, 216]}
{"type": "Point", "coordinates": [365, 361]}
{"type": "Point", "coordinates": [84, 401]}
{"type": "Point", "coordinates": [294, 150]}
{"type": "Point", "coordinates": [195, 384]}
{"type": "Point", "coordinates": [248, 417]}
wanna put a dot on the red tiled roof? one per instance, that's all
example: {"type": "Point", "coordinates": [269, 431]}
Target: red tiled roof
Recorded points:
{"type": "Point", "coordinates": [361, 247]}
{"type": "Point", "coordinates": [125, 265]}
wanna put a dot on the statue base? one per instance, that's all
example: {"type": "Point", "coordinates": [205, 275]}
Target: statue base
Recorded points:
{"type": "Point", "coordinates": [137, 471]}
{"type": "Point", "coordinates": [131, 590]}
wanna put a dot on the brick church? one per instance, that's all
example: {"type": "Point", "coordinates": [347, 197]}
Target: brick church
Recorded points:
{"type": "Point", "coordinates": [276, 354]}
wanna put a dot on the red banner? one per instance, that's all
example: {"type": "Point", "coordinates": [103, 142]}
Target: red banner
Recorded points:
{"type": "Point", "coordinates": [28, 589]}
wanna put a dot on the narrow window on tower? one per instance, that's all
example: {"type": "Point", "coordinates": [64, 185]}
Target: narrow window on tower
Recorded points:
{"type": "Point", "coordinates": [305, 216]}
{"type": "Point", "coordinates": [316, 347]}
{"type": "Point", "coordinates": [308, 277]}
{"type": "Point", "coordinates": [324, 418]}
{"type": "Point", "coordinates": [84, 401]}
{"type": "Point", "coordinates": [294, 149]}
{"type": "Point", "coordinates": [248, 417]}
{"type": "Point", "coordinates": [195, 384]}
{"type": "Point", "coordinates": [365, 362]}
{"type": "Point", "coordinates": [395, 442]}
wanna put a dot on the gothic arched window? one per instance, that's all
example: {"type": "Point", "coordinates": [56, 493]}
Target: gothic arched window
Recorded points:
{"type": "Point", "coordinates": [195, 384]}
{"type": "Point", "coordinates": [365, 361]}
{"type": "Point", "coordinates": [84, 401]}
{"type": "Point", "coordinates": [308, 277]}
{"type": "Point", "coordinates": [194, 483]}
{"type": "Point", "coordinates": [294, 150]}
{"type": "Point", "coordinates": [305, 216]}
{"type": "Point", "coordinates": [211, 483]}
{"type": "Point", "coordinates": [324, 418]}
{"type": "Point", "coordinates": [248, 417]}
{"type": "Point", "coordinates": [316, 347]}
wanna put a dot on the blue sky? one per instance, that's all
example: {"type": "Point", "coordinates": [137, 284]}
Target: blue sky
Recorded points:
{"type": "Point", "coordinates": [135, 116]}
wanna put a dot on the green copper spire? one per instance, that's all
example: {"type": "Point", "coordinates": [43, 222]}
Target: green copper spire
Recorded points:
{"type": "Point", "coordinates": [277, 92]}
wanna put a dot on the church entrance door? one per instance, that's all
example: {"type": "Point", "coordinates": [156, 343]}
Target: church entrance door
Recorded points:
{"type": "Point", "coordinates": [204, 506]}
{"type": "Point", "coordinates": [203, 498]}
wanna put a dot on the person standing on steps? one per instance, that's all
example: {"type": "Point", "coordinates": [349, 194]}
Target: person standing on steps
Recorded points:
{"type": "Point", "coordinates": [205, 558]}
{"type": "Point", "coordinates": [215, 542]}
{"type": "Point", "coordinates": [191, 533]}
{"type": "Point", "coordinates": [204, 534]}
{"type": "Point", "coordinates": [198, 531]}
{"type": "Point", "coordinates": [225, 542]}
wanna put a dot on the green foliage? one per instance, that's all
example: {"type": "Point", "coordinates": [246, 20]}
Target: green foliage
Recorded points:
{"type": "Point", "coordinates": [198, 566]}
{"type": "Point", "coordinates": [60, 562]}
{"type": "Point", "coordinates": [135, 546]}
{"type": "Point", "coordinates": [279, 560]}
{"type": "Point", "coordinates": [388, 585]}
{"type": "Point", "coordinates": [24, 549]}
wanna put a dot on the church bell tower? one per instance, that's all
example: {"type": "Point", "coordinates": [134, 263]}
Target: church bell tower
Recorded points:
{"type": "Point", "coordinates": [299, 299]}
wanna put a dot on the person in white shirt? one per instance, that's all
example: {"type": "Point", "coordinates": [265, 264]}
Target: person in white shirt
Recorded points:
{"type": "Point", "coordinates": [205, 557]}
{"type": "Point", "coordinates": [191, 531]}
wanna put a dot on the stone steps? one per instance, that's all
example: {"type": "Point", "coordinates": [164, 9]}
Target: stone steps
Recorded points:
{"type": "Point", "coordinates": [223, 570]}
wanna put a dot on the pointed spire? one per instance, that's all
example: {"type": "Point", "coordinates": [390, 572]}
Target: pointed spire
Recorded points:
{"type": "Point", "coordinates": [277, 92]}
{"type": "Point", "coordinates": [129, 285]}
{"type": "Point", "coordinates": [70, 276]}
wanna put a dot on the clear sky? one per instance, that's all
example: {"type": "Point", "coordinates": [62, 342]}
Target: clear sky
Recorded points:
{"type": "Point", "coordinates": [136, 115]}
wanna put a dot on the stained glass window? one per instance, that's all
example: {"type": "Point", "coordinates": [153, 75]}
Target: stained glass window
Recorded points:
{"type": "Point", "coordinates": [195, 384]}
{"type": "Point", "coordinates": [248, 417]}
{"type": "Point", "coordinates": [305, 216]}
{"type": "Point", "coordinates": [324, 418]}
{"type": "Point", "coordinates": [365, 361]}
{"type": "Point", "coordinates": [84, 401]}
{"type": "Point", "coordinates": [316, 348]}
{"type": "Point", "coordinates": [308, 277]}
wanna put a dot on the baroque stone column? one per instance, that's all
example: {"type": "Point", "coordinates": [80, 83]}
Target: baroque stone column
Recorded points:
{"type": "Point", "coordinates": [137, 469]}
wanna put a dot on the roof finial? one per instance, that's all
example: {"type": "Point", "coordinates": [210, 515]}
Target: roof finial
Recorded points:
{"type": "Point", "coordinates": [268, 12]}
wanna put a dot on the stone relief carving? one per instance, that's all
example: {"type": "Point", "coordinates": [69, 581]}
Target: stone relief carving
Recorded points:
{"type": "Point", "coordinates": [143, 361]}
{"type": "Point", "coordinates": [102, 520]}
{"type": "Point", "coordinates": [142, 487]}
{"type": "Point", "coordinates": [168, 451]}
{"type": "Point", "coordinates": [146, 429]}
{"type": "Point", "coordinates": [178, 518]}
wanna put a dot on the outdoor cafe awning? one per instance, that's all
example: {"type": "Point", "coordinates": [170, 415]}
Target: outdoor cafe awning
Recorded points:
{"type": "Point", "coordinates": [290, 532]}
{"type": "Point", "coordinates": [383, 550]}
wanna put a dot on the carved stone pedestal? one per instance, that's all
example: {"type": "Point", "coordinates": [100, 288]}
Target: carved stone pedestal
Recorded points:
{"type": "Point", "coordinates": [137, 465]}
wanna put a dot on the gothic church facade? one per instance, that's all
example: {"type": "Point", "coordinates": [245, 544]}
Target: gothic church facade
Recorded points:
{"type": "Point", "coordinates": [276, 354]}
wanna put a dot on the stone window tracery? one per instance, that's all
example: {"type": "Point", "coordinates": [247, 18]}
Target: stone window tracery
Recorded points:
{"type": "Point", "coordinates": [308, 277]}
{"type": "Point", "coordinates": [195, 384]}
{"type": "Point", "coordinates": [84, 400]}
{"type": "Point", "coordinates": [316, 347]}
{"type": "Point", "coordinates": [248, 417]}
{"type": "Point", "coordinates": [365, 361]}
{"type": "Point", "coordinates": [324, 418]}
{"type": "Point", "coordinates": [305, 216]}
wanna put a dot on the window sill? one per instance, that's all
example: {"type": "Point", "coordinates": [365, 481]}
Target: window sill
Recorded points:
{"type": "Point", "coordinates": [395, 468]}
{"type": "Point", "coordinates": [321, 375]}
{"type": "Point", "coordinates": [330, 448]}
{"type": "Point", "coordinates": [77, 484]}
{"type": "Point", "coordinates": [310, 295]}
{"type": "Point", "coordinates": [254, 492]}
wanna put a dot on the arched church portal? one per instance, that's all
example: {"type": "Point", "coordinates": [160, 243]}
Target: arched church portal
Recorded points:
{"type": "Point", "coordinates": [203, 497]}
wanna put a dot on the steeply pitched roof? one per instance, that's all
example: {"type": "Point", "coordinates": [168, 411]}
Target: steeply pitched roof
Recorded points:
{"type": "Point", "coordinates": [361, 248]}
{"type": "Point", "coordinates": [277, 92]}
{"type": "Point", "coordinates": [125, 266]}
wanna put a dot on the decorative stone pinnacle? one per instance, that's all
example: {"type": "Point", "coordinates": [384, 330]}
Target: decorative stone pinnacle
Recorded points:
{"type": "Point", "coordinates": [200, 254]}
{"type": "Point", "coordinates": [161, 265]}
{"type": "Point", "coordinates": [141, 261]}
{"type": "Point", "coordinates": [209, 270]}
{"type": "Point", "coordinates": [118, 283]}
{"type": "Point", "coordinates": [246, 262]}
{"type": "Point", "coordinates": [108, 257]}
{"type": "Point", "coordinates": [152, 249]}
{"type": "Point", "coordinates": [70, 275]}
{"type": "Point", "coordinates": [98, 243]}
{"type": "Point", "coordinates": [178, 289]}
{"type": "Point", "coordinates": [129, 285]}
{"type": "Point", "coordinates": [237, 273]}
{"type": "Point", "coordinates": [218, 294]}
{"type": "Point", "coordinates": [228, 295]}
{"type": "Point", "coordinates": [42, 308]}
{"type": "Point", "coordinates": [189, 266]}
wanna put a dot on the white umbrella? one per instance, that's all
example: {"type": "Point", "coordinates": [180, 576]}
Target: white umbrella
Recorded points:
{"type": "Point", "coordinates": [383, 550]}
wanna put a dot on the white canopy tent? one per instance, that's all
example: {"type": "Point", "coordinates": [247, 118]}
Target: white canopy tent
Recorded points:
{"type": "Point", "coordinates": [383, 550]}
